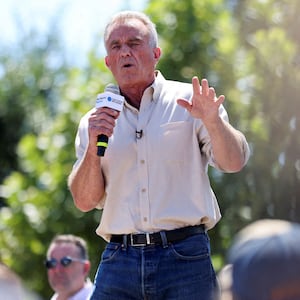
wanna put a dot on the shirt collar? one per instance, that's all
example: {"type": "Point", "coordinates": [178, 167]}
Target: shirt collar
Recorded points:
{"type": "Point", "coordinates": [154, 89]}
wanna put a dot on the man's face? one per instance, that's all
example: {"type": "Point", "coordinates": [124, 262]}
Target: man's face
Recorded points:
{"type": "Point", "coordinates": [130, 57]}
{"type": "Point", "coordinates": [67, 279]}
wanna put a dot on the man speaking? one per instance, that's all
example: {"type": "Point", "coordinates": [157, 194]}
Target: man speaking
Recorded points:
{"type": "Point", "coordinates": [154, 190]}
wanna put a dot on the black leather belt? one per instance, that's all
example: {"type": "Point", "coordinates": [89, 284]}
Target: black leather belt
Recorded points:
{"type": "Point", "coordinates": [156, 238]}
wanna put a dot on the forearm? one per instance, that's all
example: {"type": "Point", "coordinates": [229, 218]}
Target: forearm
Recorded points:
{"type": "Point", "coordinates": [86, 183]}
{"type": "Point", "coordinates": [229, 145]}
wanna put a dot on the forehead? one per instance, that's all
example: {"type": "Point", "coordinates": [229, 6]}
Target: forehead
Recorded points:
{"type": "Point", "coordinates": [127, 29]}
{"type": "Point", "coordinates": [63, 249]}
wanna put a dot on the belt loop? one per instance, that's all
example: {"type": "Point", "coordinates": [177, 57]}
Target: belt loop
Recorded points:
{"type": "Point", "coordinates": [164, 239]}
{"type": "Point", "coordinates": [124, 245]}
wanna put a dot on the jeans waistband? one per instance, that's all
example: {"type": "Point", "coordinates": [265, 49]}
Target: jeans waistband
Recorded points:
{"type": "Point", "coordinates": [157, 238]}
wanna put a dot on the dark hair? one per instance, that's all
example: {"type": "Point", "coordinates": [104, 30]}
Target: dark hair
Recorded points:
{"type": "Point", "coordinates": [72, 239]}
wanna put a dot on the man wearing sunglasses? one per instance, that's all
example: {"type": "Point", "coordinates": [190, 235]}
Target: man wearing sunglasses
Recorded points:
{"type": "Point", "coordinates": [68, 267]}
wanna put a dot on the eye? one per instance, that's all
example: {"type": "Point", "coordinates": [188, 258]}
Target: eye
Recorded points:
{"type": "Point", "coordinates": [50, 263]}
{"type": "Point", "coordinates": [65, 261]}
{"type": "Point", "coordinates": [115, 47]}
{"type": "Point", "coordinates": [134, 44]}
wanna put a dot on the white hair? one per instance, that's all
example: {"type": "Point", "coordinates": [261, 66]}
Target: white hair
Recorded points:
{"type": "Point", "coordinates": [127, 15]}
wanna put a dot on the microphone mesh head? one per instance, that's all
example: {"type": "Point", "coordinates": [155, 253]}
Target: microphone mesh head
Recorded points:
{"type": "Point", "coordinates": [112, 88]}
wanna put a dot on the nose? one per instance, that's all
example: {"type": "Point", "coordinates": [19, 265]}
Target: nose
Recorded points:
{"type": "Point", "coordinates": [58, 268]}
{"type": "Point", "coordinates": [125, 50]}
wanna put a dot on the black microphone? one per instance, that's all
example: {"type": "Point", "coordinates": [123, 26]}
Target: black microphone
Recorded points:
{"type": "Point", "coordinates": [102, 143]}
{"type": "Point", "coordinates": [110, 98]}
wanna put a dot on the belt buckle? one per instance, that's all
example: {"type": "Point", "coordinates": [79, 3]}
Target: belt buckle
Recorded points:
{"type": "Point", "coordinates": [148, 242]}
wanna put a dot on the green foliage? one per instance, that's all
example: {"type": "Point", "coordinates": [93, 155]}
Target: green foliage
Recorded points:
{"type": "Point", "coordinates": [188, 32]}
{"type": "Point", "coordinates": [269, 35]}
{"type": "Point", "coordinates": [27, 91]}
{"type": "Point", "coordinates": [249, 52]}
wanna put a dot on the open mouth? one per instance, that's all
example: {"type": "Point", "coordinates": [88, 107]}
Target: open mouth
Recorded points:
{"type": "Point", "coordinates": [127, 65]}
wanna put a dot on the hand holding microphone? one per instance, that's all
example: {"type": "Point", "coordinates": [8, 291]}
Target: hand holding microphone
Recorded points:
{"type": "Point", "coordinates": [111, 98]}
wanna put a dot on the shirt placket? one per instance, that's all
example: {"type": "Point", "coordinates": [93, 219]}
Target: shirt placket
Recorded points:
{"type": "Point", "coordinates": [142, 160]}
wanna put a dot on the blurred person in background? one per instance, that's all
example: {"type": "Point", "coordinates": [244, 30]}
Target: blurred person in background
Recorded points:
{"type": "Point", "coordinates": [12, 287]}
{"type": "Point", "coordinates": [224, 277]}
{"type": "Point", "coordinates": [263, 262]}
{"type": "Point", "coordinates": [68, 267]}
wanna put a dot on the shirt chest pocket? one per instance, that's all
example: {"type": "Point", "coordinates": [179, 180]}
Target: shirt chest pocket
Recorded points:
{"type": "Point", "coordinates": [173, 139]}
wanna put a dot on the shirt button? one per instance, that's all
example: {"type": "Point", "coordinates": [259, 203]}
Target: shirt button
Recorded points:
{"type": "Point", "coordinates": [142, 161]}
{"type": "Point", "coordinates": [143, 190]}
{"type": "Point", "coordinates": [145, 219]}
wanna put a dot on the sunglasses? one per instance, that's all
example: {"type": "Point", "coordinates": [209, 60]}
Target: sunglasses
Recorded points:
{"type": "Point", "coordinates": [65, 261]}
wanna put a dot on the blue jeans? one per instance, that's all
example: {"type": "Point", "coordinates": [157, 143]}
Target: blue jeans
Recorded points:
{"type": "Point", "coordinates": [180, 270]}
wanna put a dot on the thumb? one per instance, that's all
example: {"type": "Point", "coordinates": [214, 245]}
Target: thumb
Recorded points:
{"type": "Point", "coordinates": [184, 103]}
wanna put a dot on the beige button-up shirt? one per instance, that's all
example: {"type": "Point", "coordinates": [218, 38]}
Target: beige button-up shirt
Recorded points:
{"type": "Point", "coordinates": [158, 181]}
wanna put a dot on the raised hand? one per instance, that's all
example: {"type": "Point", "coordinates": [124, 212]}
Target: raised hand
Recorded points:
{"type": "Point", "coordinates": [204, 103]}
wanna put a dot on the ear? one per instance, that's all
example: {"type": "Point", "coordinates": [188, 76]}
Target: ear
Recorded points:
{"type": "Point", "coordinates": [107, 61]}
{"type": "Point", "coordinates": [87, 267]}
{"type": "Point", "coordinates": [157, 53]}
